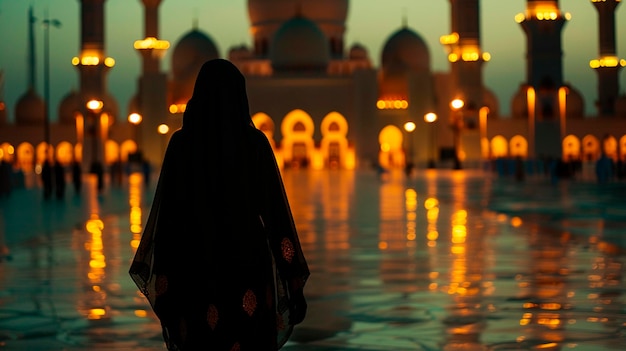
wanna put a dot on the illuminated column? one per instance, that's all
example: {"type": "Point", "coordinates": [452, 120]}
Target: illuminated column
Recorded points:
{"type": "Point", "coordinates": [607, 65]}
{"type": "Point", "coordinates": [152, 84]}
{"type": "Point", "coordinates": [93, 66]}
{"type": "Point", "coordinates": [543, 23]}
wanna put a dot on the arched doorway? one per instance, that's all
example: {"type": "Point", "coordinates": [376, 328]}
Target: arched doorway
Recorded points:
{"type": "Point", "coordinates": [391, 154]}
{"type": "Point", "coordinates": [334, 145]}
{"type": "Point", "coordinates": [297, 145]}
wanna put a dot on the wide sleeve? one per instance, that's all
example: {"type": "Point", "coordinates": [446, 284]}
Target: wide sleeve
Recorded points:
{"type": "Point", "coordinates": [142, 268]}
{"type": "Point", "coordinates": [279, 223]}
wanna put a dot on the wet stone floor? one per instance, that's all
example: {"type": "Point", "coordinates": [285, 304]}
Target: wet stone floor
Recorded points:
{"type": "Point", "coordinates": [440, 260]}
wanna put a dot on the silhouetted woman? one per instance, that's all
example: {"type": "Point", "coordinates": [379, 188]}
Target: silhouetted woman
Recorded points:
{"type": "Point", "coordinates": [219, 225]}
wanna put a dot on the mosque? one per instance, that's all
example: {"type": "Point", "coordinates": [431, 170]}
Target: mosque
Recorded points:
{"type": "Point", "coordinates": [323, 104]}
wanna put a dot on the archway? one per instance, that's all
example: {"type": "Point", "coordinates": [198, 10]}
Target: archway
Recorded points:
{"type": "Point", "coordinates": [590, 148]}
{"type": "Point", "coordinates": [297, 145]}
{"type": "Point", "coordinates": [571, 148]}
{"type": "Point", "coordinates": [519, 146]}
{"type": "Point", "coordinates": [609, 147]}
{"type": "Point", "coordinates": [499, 147]}
{"type": "Point", "coordinates": [64, 153]}
{"type": "Point", "coordinates": [334, 145]}
{"type": "Point", "coordinates": [391, 154]}
{"type": "Point", "coordinates": [25, 157]}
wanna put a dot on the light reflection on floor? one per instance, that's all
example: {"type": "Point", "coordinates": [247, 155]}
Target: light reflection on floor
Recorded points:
{"type": "Point", "coordinates": [439, 261]}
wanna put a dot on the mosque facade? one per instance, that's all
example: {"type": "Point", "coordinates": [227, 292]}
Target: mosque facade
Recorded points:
{"type": "Point", "coordinates": [323, 104]}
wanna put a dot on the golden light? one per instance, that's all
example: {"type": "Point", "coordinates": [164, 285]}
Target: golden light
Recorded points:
{"type": "Point", "coordinates": [177, 108]}
{"type": "Point", "coordinates": [95, 105]}
{"type": "Point", "coordinates": [135, 118]}
{"type": "Point", "coordinates": [457, 104]}
{"type": "Point", "coordinates": [151, 43]}
{"type": "Point", "coordinates": [430, 117]}
{"type": "Point", "coordinates": [409, 126]}
{"type": "Point", "coordinates": [163, 129]}
{"type": "Point", "coordinates": [449, 39]}
{"type": "Point", "coordinates": [392, 104]}
{"type": "Point", "coordinates": [109, 62]}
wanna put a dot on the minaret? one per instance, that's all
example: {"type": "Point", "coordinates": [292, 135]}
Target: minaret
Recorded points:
{"type": "Point", "coordinates": [93, 66]}
{"type": "Point", "coordinates": [607, 65]}
{"type": "Point", "coordinates": [466, 63]}
{"type": "Point", "coordinates": [152, 95]}
{"type": "Point", "coordinates": [32, 84]}
{"type": "Point", "coordinates": [543, 23]}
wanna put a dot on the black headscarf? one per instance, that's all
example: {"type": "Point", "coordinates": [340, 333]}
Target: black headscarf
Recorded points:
{"type": "Point", "coordinates": [215, 123]}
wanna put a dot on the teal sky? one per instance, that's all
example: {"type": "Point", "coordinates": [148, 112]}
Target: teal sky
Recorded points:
{"type": "Point", "coordinates": [370, 23]}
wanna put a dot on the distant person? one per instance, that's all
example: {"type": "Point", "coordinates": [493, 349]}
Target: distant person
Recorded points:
{"type": "Point", "coordinates": [604, 169]}
{"type": "Point", "coordinates": [116, 173]}
{"type": "Point", "coordinates": [59, 179]}
{"type": "Point", "coordinates": [77, 176]}
{"type": "Point", "coordinates": [146, 169]}
{"type": "Point", "coordinates": [47, 179]}
{"type": "Point", "coordinates": [220, 229]}
{"type": "Point", "coordinates": [6, 174]}
{"type": "Point", "coordinates": [98, 170]}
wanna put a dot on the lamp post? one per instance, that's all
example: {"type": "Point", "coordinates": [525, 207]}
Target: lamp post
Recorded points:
{"type": "Point", "coordinates": [135, 119]}
{"type": "Point", "coordinates": [95, 106]}
{"type": "Point", "coordinates": [47, 22]}
{"type": "Point", "coordinates": [409, 127]}
{"type": "Point", "coordinates": [456, 106]}
{"type": "Point", "coordinates": [430, 118]}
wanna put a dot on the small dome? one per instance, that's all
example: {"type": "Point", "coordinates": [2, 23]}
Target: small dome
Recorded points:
{"type": "Point", "coordinates": [111, 107]}
{"type": "Point", "coordinates": [575, 104]}
{"type": "Point", "coordinates": [491, 101]}
{"type": "Point", "coordinates": [299, 44]}
{"type": "Point", "coordinates": [69, 106]}
{"type": "Point", "coordinates": [30, 109]}
{"type": "Point", "coordinates": [620, 106]}
{"type": "Point", "coordinates": [358, 52]}
{"type": "Point", "coordinates": [519, 107]}
{"type": "Point", "coordinates": [190, 53]}
{"type": "Point", "coordinates": [405, 51]}
{"type": "Point", "coordinates": [3, 113]}
{"type": "Point", "coordinates": [240, 52]}
{"type": "Point", "coordinates": [133, 104]}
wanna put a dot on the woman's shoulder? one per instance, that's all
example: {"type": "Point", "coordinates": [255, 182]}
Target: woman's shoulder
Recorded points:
{"type": "Point", "coordinates": [257, 135]}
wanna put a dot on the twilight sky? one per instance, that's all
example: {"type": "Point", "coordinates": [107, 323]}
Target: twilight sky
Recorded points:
{"type": "Point", "coordinates": [370, 22]}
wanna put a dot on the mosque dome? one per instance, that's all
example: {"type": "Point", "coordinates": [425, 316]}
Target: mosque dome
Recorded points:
{"type": "Point", "coordinates": [30, 109]}
{"type": "Point", "coordinates": [262, 11]}
{"type": "Point", "coordinates": [358, 52]}
{"type": "Point", "coordinates": [299, 44]}
{"type": "Point", "coordinates": [405, 51]}
{"type": "Point", "coordinates": [267, 16]}
{"type": "Point", "coordinates": [69, 106]}
{"type": "Point", "coordinates": [190, 53]}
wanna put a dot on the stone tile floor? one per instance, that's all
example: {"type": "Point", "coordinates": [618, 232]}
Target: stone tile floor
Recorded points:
{"type": "Point", "coordinates": [441, 260]}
